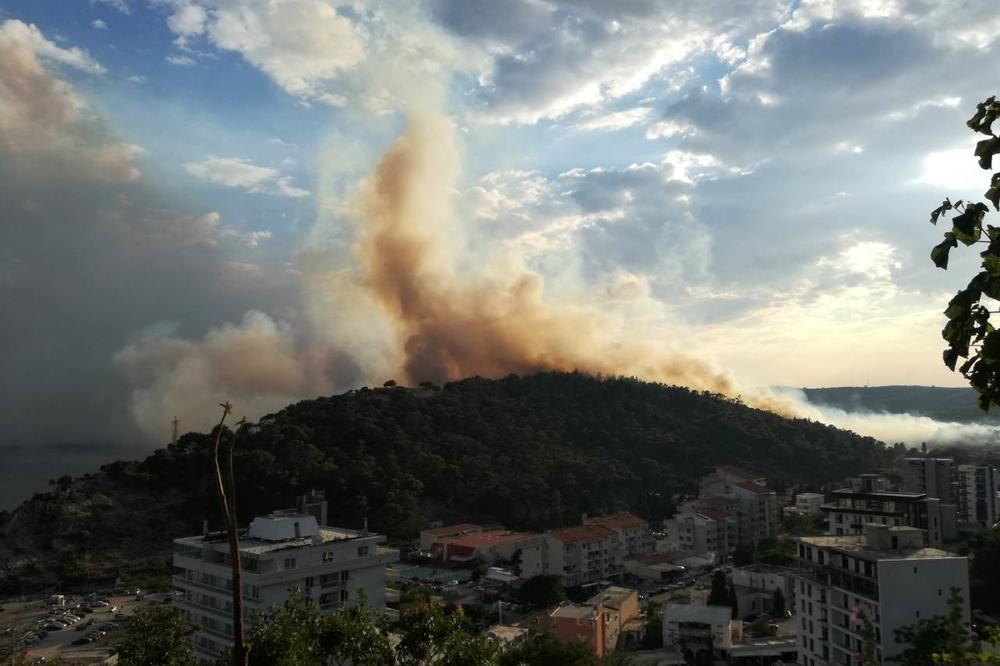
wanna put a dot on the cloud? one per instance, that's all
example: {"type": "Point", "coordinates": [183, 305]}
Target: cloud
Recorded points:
{"type": "Point", "coordinates": [121, 5]}
{"type": "Point", "coordinates": [98, 24]}
{"type": "Point", "coordinates": [32, 38]}
{"type": "Point", "coordinates": [180, 60]}
{"type": "Point", "coordinates": [241, 173]}
{"type": "Point", "coordinates": [614, 121]}
{"type": "Point", "coordinates": [300, 45]}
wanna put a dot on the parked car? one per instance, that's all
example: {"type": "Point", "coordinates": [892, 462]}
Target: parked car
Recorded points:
{"type": "Point", "coordinates": [100, 604]}
{"type": "Point", "coordinates": [121, 617]}
{"type": "Point", "coordinates": [54, 626]}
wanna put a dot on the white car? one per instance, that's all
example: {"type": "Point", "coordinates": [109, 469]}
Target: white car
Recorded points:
{"type": "Point", "coordinates": [100, 604]}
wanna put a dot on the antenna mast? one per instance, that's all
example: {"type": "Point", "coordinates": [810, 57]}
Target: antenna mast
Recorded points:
{"type": "Point", "coordinates": [173, 425]}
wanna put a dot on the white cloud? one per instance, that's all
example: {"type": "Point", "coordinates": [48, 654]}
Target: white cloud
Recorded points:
{"type": "Point", "coordinates": [98, 24]}
{"type": "Point", "coordinates": [241, 173]}
{"type": "Point", "coordinates": [180, 60]}
{"type": "Point", "coordinates": [848, 147]}
{"type": "Point", "coordinates": [955, 168]}
{"type": "Point", "coordinates": [29, 35]}
{"type": "Point", "coordinates": [664, 129]}
{"type": "Point", "coordinates": [121, 5]}
{"type": "Point", "coordinates": [302, 45]}
{"type": "Point", "coordinates": [616, 120]}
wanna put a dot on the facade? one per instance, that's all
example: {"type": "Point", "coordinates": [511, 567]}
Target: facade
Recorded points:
{"type": "Point", "coordinates": [809, 504]}
{"type": "Point", "coordinates": [936, 477]}
{"type": "Point", "coordinates": [851, 510]}
{"type": "Point", "coordinates": [887, 573]}
{"type": "Point", "coordinates": [571, 622]}
{"type": "Point", "coordinates": [284, 550]}
{"type": "Point", "coordinates": [633, 531]}
{"type": "Point", "coordinates": [705, 531]}
{"type": "Point", "coordinates": [698, 629]}
{"type": "Point", "coordinates": [621, 606]}
{"type": "Point", "coordinates": [977, 495]}
{"type": "Point", "coordinates": [578, 555]}
{"type": "Point", "coordinates": [757, 516]}
{"type": "Point", "coordinates": [756, 587]}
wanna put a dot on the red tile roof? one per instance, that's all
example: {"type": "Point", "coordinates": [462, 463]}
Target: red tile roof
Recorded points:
{"type": "Point", "coordinates": [487, 539]}
{"type": "Point", "coordinates": [448, 530]}
{"type": "Point", "coordinates": [718, 501]}
{"type": "Point", "coordinates": [753, 487]}
{"type": "Point", "coordinates": [717, 516]}
{"type": "Point", "coordinates": [622, 519]}
{"type": "Point", "coordinates": [583, 533]}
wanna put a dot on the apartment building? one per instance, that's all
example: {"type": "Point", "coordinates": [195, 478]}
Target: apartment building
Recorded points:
{"type": "Point", "coordinates": [434, 535]}
{"type": "Point", "coordinates": [570, 622]}
{"type": "Point", "coordinates": [491, 547]}
{"type": "Point", "coordinates": [284, 550]}
{"type": "Point", "coordinates": [756, 586]}
{"type": "Point", "coordinates": [852, 509]}
{"type": "Point", "coordinates": [633, 531]}
{"type": "Point", "coordinates": [621, 606]}
{"type": "Point", "coordinates": [702, 532]}
{"type": "Point", "coordinates": [810, 504]}
{"type": "Point", "coordinates": [701, 633]}
{"type": "Point", "coordinates": [886, 573]}
{"type": "Point", "coordinates": [583, 554]}
{"type": "Point", "coordinates": [757, 517]}
{"type": "Point", "coordinates": [936, 477]}
{"type": "Point", "coordinates": [977, 495]}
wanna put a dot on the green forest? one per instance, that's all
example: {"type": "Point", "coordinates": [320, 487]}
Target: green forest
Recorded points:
{"type": "Point", "coordinates": [526, 452]}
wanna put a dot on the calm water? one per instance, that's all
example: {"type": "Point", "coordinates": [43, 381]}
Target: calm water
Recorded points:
{"type": "Point", "coordinates": [26, 470]}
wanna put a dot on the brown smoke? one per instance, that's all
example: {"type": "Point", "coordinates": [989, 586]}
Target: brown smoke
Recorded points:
{"type": "Point", "coordinates": [454, 325]}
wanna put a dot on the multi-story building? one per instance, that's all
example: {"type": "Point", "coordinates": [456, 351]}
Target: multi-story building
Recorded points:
{"type": "Point", "coordinates": [935, 477]}
{"type": "Point", "coordinates": [757, 587]}
{"type": "Point", "coordinates": [977, 495]}
{"type": "Point", "coordinates": [851, 510]}
{"type": "Point", "coordinates": [758, 505]}
{"type": "Point", "coordinates": [331, 566]}
{"type": "Point", "coordinates": [700, 532]}
{"type": "Point", "coordinates": [698, 629]}
{"type": "Point", "coordinates": [621, 606]}
{"type": "Point", "coordinates": [809, 504]}
{"type": "Point", "coordinates": [433, 535]}
{"type": "Point", "coordinates": [578, 555]}
{"type": "Point", "coordinates": [633, 531]}
{"type": "Point", "coordinates": [572, 622]}
{"type": "Point", "coordinates": [886, 573]}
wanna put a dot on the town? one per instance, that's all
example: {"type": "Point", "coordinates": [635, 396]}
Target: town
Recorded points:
{"type": "Point", "coordinates": [740, 574]}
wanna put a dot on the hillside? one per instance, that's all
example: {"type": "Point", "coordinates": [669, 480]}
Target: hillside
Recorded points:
{"type": "Point", "coordinates": [939, 403]}
{"type": "Point", "coordinates": [531, 452]}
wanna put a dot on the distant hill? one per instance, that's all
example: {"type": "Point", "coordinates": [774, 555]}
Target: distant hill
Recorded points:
{"type": "Point", "coordinates": [528, 452]}
{"type": "Point", "coordinates": [942, 404]}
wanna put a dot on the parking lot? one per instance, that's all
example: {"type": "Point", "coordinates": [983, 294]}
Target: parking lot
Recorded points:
{"type": "Point", "coordinates": [48, 628]}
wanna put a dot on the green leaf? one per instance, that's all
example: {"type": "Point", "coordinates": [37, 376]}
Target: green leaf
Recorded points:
{"type": "Point", "coordinates": [968, 227]}
{"type": "Point", "coordinates": [984, 402]}
{"type": "Point", "coordinates": [939, 255]}
{"type": "Point", "coordinates": [990, 351]}
{"type": "Point", "coordinates": [985, 150]}
{"type": "Point", "coordinates": [940, 210]}
{"type": "Point", "coordinates": [950, 358]}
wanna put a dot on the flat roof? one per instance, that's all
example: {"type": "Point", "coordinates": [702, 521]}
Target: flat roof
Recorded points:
{"type": "Point", "coordinates": [621, 519]}
{"type": "Point", "coordinates": [577, 611]}
{"type": "Point", "coordinates": [701, 614]}
{"type": "Point", "coordinates": [856, 545]}
{"type": "Point", "coordinates": [888, 494]}
{"type": "Point", "coordinates": [259, 546]}
{"type": "Point", "coordinates": [448, 530]}
{"type": "Point", "coordinates": [613, 597]}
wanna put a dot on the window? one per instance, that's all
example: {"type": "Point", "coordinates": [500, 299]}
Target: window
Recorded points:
{"type": "Point", "coordinates": [362, 551]}
{"type": "Point", "coordinates": [289, 562]}
{"type": "Point", "coordinates": [328, 556]}
{"type": "Point", "coordinates": [310, 581]}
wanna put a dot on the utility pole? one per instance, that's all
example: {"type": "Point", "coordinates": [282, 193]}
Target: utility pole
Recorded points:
{"type": "Point", "coordinates": [173, 437]}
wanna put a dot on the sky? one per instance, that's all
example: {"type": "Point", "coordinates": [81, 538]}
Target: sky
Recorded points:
{"type": "Point", "coordinates": [223, 199]}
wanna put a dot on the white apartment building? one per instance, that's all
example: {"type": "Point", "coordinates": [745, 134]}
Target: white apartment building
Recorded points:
{"type": "Point", "coordinates": [701, 532]}
{"type": "Point", "coordinates": [851, 510]}
{"type": "Point", "coordinates": [886, 573]}
{"type": "Point", "coordinates": [282, 551]}
{"type": "Point", "coordinates": [697, 629]}
{"type": "Point", "coordinates": [809, 504]}
{"type": "Point", "coordinates": [578, 555]}
{"type": "Point", "coordinates": [934, 476]}
{"type": "Point", "coordinates": [758, 505]}
{"type": "Point", "coordinates": [632, 530]}
{"type": "Point", "coordinates": [977, 495]}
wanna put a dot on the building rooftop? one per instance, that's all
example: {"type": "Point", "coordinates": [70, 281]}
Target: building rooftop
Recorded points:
{"type": "Point", "coordinates": [700, 614]}
{"type": "Point", "coordinates": [717, 501]}
{"type": "Point", "coordinates": [810, 495]}
{"type": "Point", "coordinates": [506, 634]}
{"type": "Point", "coordinates": [857, 545]}
{"type": "Point", "coordinates": [754, 487]}
{"type": "Point", "coordinates": [582, 534]}
{"type": "Point", "coordinates": [574, 611]}
{"type": "Point", "coordinates": [886, 494]}
{"type": "Point", "coordinates": [713, 514]}
{"type": "Point", "coordinates": [487, 539]}
{"type": "Point", "coordinates": [448, 530]}
{"type": "Point", "coordinates": [613, 597]}
{"type": "Point", "coordinates": [617, 520]}
{"type": "Point", "coordinates": [253, 546]}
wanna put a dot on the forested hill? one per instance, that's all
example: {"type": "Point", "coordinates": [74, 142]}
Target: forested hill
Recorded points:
{"type": "Point", "coordinates": [529, 452]}
{"type": "Point", "coordinates": [939, 403]}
